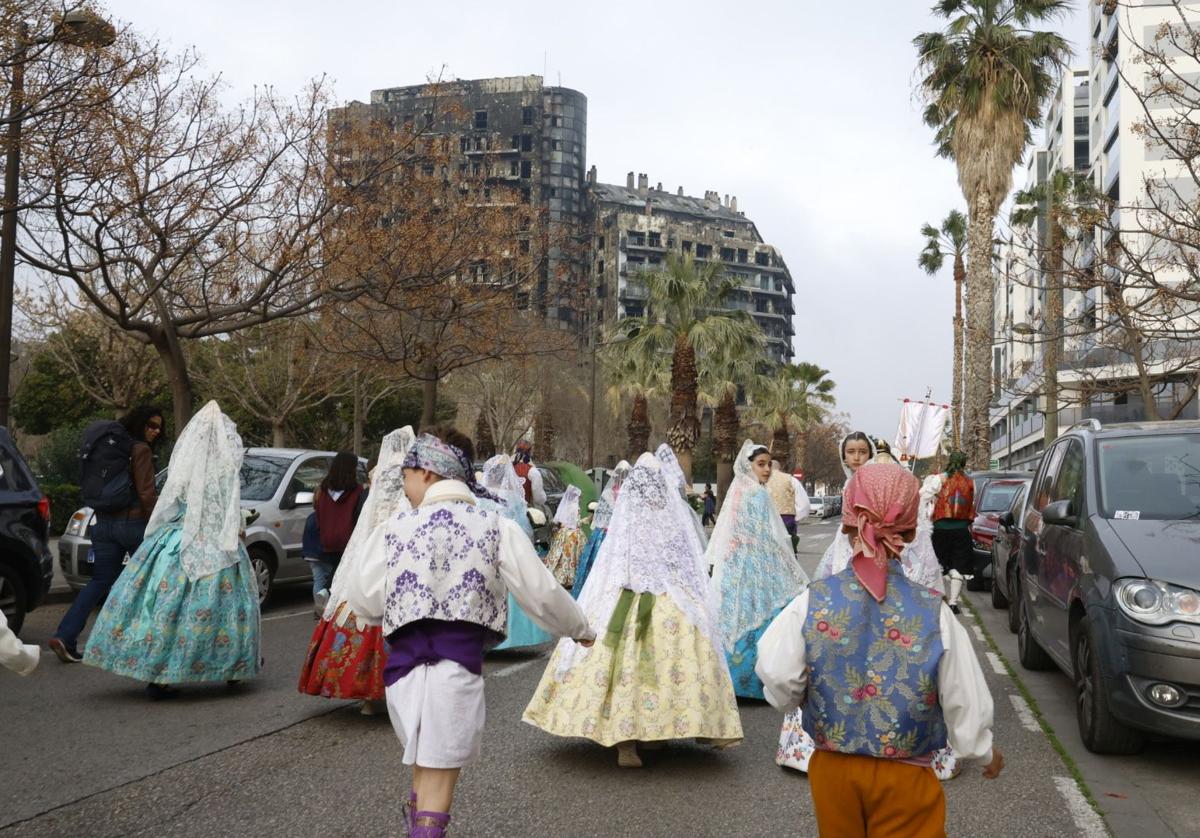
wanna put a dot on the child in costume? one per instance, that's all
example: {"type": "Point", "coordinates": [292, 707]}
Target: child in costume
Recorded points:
{"type": "Point", "coordinates": [185, 610]}
{"type": "Point", "coordinates": [501, 480]}
{"type": "Point", "coordinates": [600, 520]}
{"type": "Point", "coordinates": [347, 653]}
{"type": "Point", "coordinates": [444, 596]}
{"type": "Point", "coordinates": [660, 672]}
{"type": "Point", "coordinates": [755, 572]}
{"type": "Point", "coordinates": [886, 674]}
{"type": "Point", "coordinates": [563, 558]}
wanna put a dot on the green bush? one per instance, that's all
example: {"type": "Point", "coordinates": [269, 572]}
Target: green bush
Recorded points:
{"type": "Point", "coordinates": [64, 500]}
{"type": "Point", "coordinates": [57, 459]}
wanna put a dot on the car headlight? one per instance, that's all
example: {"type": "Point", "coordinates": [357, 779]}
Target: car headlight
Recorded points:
{"type": "Point", "coordinates": [1157, 603]}
{"type": "Point", "coordinates": [77, 524]}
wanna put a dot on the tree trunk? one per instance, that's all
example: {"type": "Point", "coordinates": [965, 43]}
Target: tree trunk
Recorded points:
{"type": "Point", "coordinates": [956, 398]}
{"type": "Point", "coordinates": [980, 314]}
{"type": "Point", "coordinates": [429, 397]}
{"type": "Point", "coordinates": [170, 352]}
{"type": "Point", "coordinates": [485, 446]}
{"type": "Point", "coordinates": [638, 427]}
{"type": "Point", "coordinates": [801, 461]}
{"type": "Point", "coordinates": [685, 426]}
{"type": "Point", "coordinates": [544, 436]}
{"type": "Point", "coordinates": [1054, 322]}
{"type": "Point", "coordinates": [279, 434]}
{"type": "Point", "coordinates": [781, 446]}
{"type": "Point", "coordinates": [724, 481]}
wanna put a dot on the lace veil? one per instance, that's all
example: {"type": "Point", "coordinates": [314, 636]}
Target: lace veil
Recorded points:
{"type": "Point", "coordinates": [204, 489]}
{"type": "Point", "coordinates": [755, 571]}
{"type": "Point", "coordinates": [500, 478]}
{"type": "Point", "coordinates": [608, 498]}
{"type": "Point", "coordinates": [567, 514]}
{"type": "Point", "coordinates": [673, 473]}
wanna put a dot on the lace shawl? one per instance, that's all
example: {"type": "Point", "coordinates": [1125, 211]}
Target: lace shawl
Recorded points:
{"type": "Point", "coordinates": [567, 514]}
{"type": "Point", "coordinates": [608, 498]}
{"type": "Point", "coordinates": [204, 489]}
{"type": "Point", "coordinates": [501, 480]}
{"type": "Point", "coordinates": [674, 475]}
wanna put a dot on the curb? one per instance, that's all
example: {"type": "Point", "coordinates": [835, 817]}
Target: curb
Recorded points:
{"type": "Point", "coordinates": [59, 595]}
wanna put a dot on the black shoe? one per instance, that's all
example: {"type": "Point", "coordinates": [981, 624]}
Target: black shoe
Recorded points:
{"type": "Point", "coordinates": [64, 654]}
{"type": "Point", "coordinates": [159, 692]}
{"type": "Point", "coordinates": [955, 609]}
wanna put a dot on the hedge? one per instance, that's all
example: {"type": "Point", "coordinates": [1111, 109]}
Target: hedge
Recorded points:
{"type": "Point", "coordinates": [64, 501]}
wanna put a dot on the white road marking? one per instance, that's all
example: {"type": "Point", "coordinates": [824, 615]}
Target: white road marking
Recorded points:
{"type": "Point", "coordinates": [513, 669]}
{"type": "Point", "coordinates": [286, 616]}
{"type": "Point", "coordinates": [997, 664]}
{"type": "Point", "coordinates": [1085, 817]}
{"type": "Point", "coordinates": [1024, 713]}
{"type": "Point", "coordinates": [978, 633]}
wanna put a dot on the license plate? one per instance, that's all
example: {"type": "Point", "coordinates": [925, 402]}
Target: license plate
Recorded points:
{"type": "Point", "coordinates": [91, 556]}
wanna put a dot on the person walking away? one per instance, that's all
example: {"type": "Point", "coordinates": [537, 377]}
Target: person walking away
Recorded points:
{"type": "Point", "coordinates": [875, 736]}
{"type": "Point", "coordinates": [337, 505]}
{"type": "Point", "coordinates": [600, 521]}
{"type": "Point", "coordinates": [755, 572]}
{"type": "Point", "coordinates": [440, 616]}
{"type": "Point", "coordinates": [21, 658]}
{"type": "Point", "coordinates": [953, 512]}
{"type": "Point", "coordinates": [186, 609]}
{"type": "Point", "coordinates": [788, 495]}
{"type": "Point", "coordinates": [710, 506]}
{"type": "Point", "coordinates": [533, 486]}
{"type": "Point", "coordinates": [117, 482]}
{"type": "Point", "coordinates": [563, 557]}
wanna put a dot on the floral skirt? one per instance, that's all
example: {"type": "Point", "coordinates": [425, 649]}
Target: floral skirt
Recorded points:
{"type": "Point", "coordinates": [345, 661]}
{"type": "Point", "coordinates": [587, 558]}
{"type": "Point", "coordinates": [746, 684]}
{"type": "Point", "coordinates": [522, 631]}
{"type": "Point", "coordinates": [563, 558]}
{"type": "Point", "coordinates": [796, 749]}
{"type": "Point", "coordinates": [653, 677]}
{"type": "Point", "coordinates": [160, 626]}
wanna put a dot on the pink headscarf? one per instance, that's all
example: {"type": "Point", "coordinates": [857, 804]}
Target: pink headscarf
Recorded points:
{"type": "Point", "coordinates": [881, 506]}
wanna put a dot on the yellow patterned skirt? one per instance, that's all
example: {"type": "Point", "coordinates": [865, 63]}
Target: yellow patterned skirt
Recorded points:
{"type": "Point", "coordinates": [653, 677]}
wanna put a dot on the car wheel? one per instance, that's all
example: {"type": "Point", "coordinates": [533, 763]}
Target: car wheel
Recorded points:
{"type": "Point", "coordinates": [14, 601]}
{"type": "Point", "coordinates": [999, 600]}
{"type": "Point", "coordinates": [1100, 732]}
{"type": "Point", "coordinates": [1032, 655]}
{"type": "Point", "coordinates": [1014, 605]}
{"type": "Point", "coordinates": [264, 573]}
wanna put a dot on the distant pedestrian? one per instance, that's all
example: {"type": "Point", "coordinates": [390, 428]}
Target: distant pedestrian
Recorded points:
{"type": "Point", "coordinates": [337, 504]}
{"type": "Point", "coordinates": [788, 495]}
{"type": "Point", "coordinates": [117, 481]}
{"type": "Point", "coordinates": [535, 490]}
{"type": "Point", "coordinates": [568, 541]}
{"type": "Point", "coordinates": [186, 610]}
{"type": "Point", "coordinates": [710, 506]}
{"type": "Point", "coordinates": [953, 512]}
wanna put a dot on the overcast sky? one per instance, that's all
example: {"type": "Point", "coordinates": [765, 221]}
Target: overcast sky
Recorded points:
{"type": "Point", "coordinates": [805, 111]}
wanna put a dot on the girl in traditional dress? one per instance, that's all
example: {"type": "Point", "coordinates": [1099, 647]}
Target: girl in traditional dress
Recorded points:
{"type": "Point", "coordinates": [501, 480]}
{"type": "Point", "coordinates": [185, 610]}
{"type": "Point", "coordinates": [347, 653]}
{"type": "Point", "coordinates": [755, 572]}
{"type": "Point", "coordinates": [600, 520]}
{"type": "Point", "coordinates": [450, 566]}
{"type": "Point", "coordinates": [563, 558]}
{"type": "Point", "coordinates": [660, 672]}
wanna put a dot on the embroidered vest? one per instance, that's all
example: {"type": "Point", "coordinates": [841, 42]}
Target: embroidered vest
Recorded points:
{"type": "Point", "coordinates": [783, 493]}
{"type": "Point", "coordinates": [443, 563]}
{"type": "Point", "coordinates": [873, 686]}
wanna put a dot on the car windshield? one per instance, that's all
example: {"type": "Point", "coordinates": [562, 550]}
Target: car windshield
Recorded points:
{"type": "Point", "coordinates": [1151, 477]}
{"type": "Point", "coordinates": [261, 476]}
{"type": "Point", "coordinates": [997, 498]}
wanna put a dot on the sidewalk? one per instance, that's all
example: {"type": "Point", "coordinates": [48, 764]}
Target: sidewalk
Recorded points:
{"type": "Point", "coordinates": [60, 591]}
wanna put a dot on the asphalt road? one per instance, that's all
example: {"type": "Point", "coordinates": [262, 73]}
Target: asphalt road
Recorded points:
{"type": "Point", "coordinates": [86, 754]}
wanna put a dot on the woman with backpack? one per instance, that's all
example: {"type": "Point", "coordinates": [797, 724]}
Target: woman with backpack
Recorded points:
{"type": "Point", "coordinates": [117, 480]}
{"type": "Point", "coordinates": [337, 504]}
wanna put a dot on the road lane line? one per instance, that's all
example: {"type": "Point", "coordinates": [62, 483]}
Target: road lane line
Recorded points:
{"type": "Point", "coordinates": [979, 633]}
{"type": "Point", "coordinates": [513, 669]}
{"type": "Point", "coordinates": [286, 616]}
{"type": "Point", "coordinates": [1089, 823]}
{"type": "Point", "coordinates": [997, 664]}
{"type": "Point", "coordinates": [1024, 713]}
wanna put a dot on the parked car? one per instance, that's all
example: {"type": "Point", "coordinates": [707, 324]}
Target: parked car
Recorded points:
{"type": "Point", "coordinates": [996, 499]}
{"type": "Point", "coordinates": [26, 566]}
{"type": "Point", "coordinates": [982, 578]}
{"type": "Point", "coordinates": [277, 484]}
{"type": "Point", "coordinates": [1109, 582]}
{"type": "Point", "coordinates": [1004, 562]}
{"type": "Point", "coordinates": [816, 506]}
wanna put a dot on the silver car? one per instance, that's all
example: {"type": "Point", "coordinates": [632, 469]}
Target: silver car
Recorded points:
{"type": "Point", "coordinates": [277, 485]}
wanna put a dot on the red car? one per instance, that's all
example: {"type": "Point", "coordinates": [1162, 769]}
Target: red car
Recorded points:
{"type": "Point", "coordinates": [996, 498]}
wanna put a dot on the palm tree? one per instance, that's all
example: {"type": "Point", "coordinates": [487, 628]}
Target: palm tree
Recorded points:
{"type": "Point", "coordinates": [1067, 200]}
{"type": "Point", "coordinates": [687, 315]}
{"type": "Point", "coordinates": [632, 376]}
{"type": "Point", "coordinates": [985, 79]}
{"type": "Point", "coordinates": [791, 398]}
{"type": "Point", "coordinates": [722, 374]}
{"type": "Point", "coordinates": [950, 240]}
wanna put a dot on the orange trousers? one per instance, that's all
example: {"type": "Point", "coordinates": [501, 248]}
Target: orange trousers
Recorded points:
{"type": "Point", "coordinates": [864, 797]}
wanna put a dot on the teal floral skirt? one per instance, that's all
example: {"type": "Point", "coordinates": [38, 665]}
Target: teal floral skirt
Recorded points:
{"type": "Point", "coordinates": [160, 626]}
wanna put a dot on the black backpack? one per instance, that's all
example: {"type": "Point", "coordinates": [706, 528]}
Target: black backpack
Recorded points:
{"type": "Point", "coordinates": [105, 478]}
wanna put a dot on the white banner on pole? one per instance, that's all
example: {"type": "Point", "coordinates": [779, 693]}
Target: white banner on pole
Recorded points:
{"type": "Point", "coordinates": [922, 425]}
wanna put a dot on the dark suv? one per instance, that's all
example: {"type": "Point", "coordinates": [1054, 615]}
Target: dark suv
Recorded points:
{"type": "Point", "coordinates": [1108, 583]}
{"type": "Point", "coordinates": [26, 567]}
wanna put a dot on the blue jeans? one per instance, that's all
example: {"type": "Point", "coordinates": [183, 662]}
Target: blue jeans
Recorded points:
{"type": "Point", "coordinates": [322, 571]}
{"type": "Point", "coordinates": [112, 539]}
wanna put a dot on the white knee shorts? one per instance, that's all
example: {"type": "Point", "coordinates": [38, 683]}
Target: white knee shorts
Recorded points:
{"type": "Point", "coordinates": [438, 714]}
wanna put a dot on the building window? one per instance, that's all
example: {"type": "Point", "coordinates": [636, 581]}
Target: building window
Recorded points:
{"type": "Point", "coordinates": [555, 145]}
{"type": "Point", "coordinates": [600, 267]}
{"type": "Point", "coordinates": [726, 254]}
{"type": "Point", "coordinates": [480, 119]}
{"type": "Point", "coordinates": [727, 234]}
{"type": "Point", "coordinates": [475, 168]}
{"type": "Point", "coordinates": [637, 238]}
{"type": "Point", "coordinates": [742, 255]}
{"type": "Point", "coordinates": [526, 169]}
{"type": "Point", "coordinates": [428, 118]}
{"type": "Point", "coordinates": [514, 168]}
{"type": "Point", "coordinates": [761, 258]}
{"type": "Point", "coordinates": [687, 246]}
{"type": "Point", "coordinates": [527, 115]}
{"type": "Point", "coordinates": [516, 142]}
{"type": "Point", "coordinates": [600, 242]}
{"type": "Point", "coordinates": [704, 251]}
{"type": "Point", "coordinates": [523, 247]}
{"type": "Point", "coordinates": [527, 142]}
{"type": "Point", "coordinates": [655, 239]}
{"type": "Point", "coordinates": [463, 143]}
{"type": "Point", "coordinates": [556, 121]}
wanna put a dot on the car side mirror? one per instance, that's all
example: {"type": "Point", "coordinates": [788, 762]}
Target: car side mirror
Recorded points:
{"type": "Point", "coordinates": [1007, 519]}
{"type": "Point", "coordinates": [1060, 513]}
{"type": "Point", "coordinates": [303, 499]}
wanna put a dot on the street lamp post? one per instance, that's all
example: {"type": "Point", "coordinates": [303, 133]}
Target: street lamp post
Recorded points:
{"type": "Point", "coordinates": [78, 28]}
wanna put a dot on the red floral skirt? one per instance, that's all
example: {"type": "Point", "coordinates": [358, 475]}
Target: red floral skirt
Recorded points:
{"type": "Point", "coordinates": [345, 661]}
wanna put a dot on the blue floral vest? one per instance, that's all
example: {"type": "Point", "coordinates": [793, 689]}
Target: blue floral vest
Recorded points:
{"type": "Point", "coordinates": [873, 687]}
